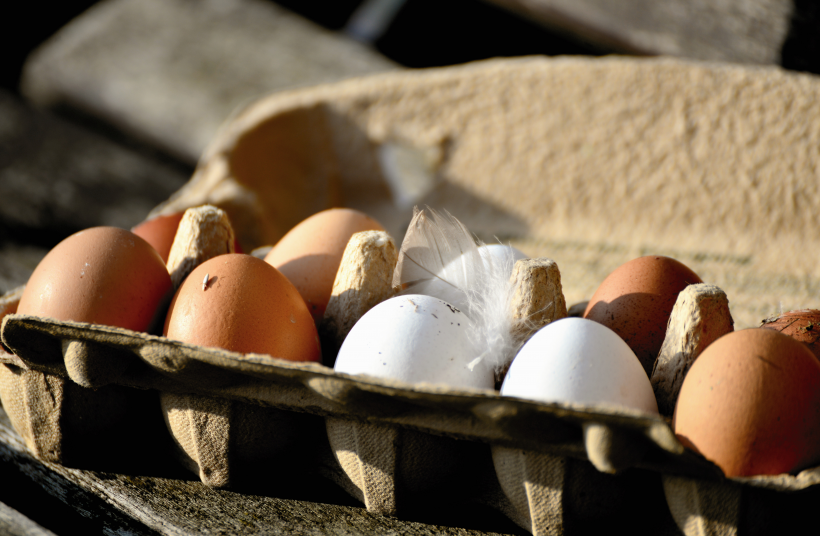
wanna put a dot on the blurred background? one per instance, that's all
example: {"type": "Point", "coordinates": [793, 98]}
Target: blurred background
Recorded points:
{"type": "Point", "coordinates": [416, 33]}
{"type": "Point", "coordinates": [91, 88]}
{"type": "Point", "coordinates": [428, 33]}
{"type": "Point", "coordinates": [105, 106]}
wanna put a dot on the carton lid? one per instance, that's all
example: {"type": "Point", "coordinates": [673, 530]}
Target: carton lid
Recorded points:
{"type": "Point", "coordinates": [590, 162]}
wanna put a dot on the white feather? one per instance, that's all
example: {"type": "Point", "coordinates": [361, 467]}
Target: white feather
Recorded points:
{"type": "Point", "coordinates": [440, 257]}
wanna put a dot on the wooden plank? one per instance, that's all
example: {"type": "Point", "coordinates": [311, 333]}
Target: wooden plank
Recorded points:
{"type": "Point", "coordinates": [13, 523]}
{"type": "Point", "coordinates": [88, 513]}
{"type": "Point", "coordinates": [149, 504]}
{"type": "Point", "coordinates": [745, 31]}
{"type": "Point", "coordinates": [57, 178]}
{"type": "Point", "coordinates": [203, 59]}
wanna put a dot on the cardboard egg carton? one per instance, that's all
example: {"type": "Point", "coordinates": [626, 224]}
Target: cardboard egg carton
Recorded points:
{"type": "Point", "coordinates": [398, 446]}
{"type": "Point", "coordinates": [589, 162]}
{"type": "Point", "coordinates": [551, 468]}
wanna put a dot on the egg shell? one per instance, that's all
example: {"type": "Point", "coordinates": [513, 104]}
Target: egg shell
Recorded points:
{"type": "Point", "coordinates": [636, 300]}
{"type": "Point", "coordinates": [499, 253]}
{"type": "Point", "coordinates": [751, 404]}
{"type": "Point", "coordinates": [245, 306]}
{"type": "Point", "coordinates": [413, 338]}
{"type": "Point", "coordinates": [309, 254]}
{"type": "Point", "coordinates": [802, 325]}
{"type": "Point", "coordinates": [102, 275]}
{"type": "Point", "coordinates": [495, 255]}
{"type": "Point", "coordinates": [579, 361]}
{"type": "Point", "coordinates": [160, 232]}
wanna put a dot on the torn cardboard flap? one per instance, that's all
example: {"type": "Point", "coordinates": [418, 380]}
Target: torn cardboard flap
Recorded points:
{"type": "Point", "coordinates": [589, 162]}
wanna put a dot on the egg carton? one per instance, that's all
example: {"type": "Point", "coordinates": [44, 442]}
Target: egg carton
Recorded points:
{"type": "Point", "coordinates": [399, 445]}
{"type": "Point", "coordinates": [546, 466]}
{"type": "Point", "coordinates": [395, 443]}
{"type": "Point", "coordinates": [611, 150]}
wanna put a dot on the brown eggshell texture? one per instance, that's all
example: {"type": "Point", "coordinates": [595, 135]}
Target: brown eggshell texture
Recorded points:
{"type": "Point", "coordinates": [309, 254]}
{"type": "Point", "coordinates": [751, 404]}
{"type": "Point", "coordinates": [103, 275]}
{"type": "Point", "coordinates": [245, 306]}
{"type": "Point", "coordinates": [802, 325]}
{"type": "Point", "coordinates": [636, 300]}
{"type": "Point", "coordinates": [160, 232]}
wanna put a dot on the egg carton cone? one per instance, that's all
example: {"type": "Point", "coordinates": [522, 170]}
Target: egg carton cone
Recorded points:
{"type": "Point", "coordinates": [588, 162]}
{"type": "Point", "coordinates": [55, 416]}
{"type": "Point", "coordinates": [703, 507]}
{"type": "Point", "coordinates": [388, 467]}
{"type": "Point", "coordinates": [229, 443]}
{"type": "Point", "coordinates": [551, 494]}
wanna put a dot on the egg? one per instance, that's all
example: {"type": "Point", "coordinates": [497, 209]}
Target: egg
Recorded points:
{"type": "Point", "coordinates": [102, 275]}
{"type": "Point", "coordinates": [500, 253]}
{"type": "Point", "coordinates": [802, 325]}
{"type": "Point", "coordinates": [579, 361]}
{"type": "Point", "coordinates": [493, 256]}
{"type": "Point", "coordinates": [242, 304]}
{"type": "Point", "coordinates": [160, 232]}
{"type": "Point", "coordinates": [309, 254]}
{"type": "Point", "coordinates": [751, 404]}
{"type": "Point", "coordinates": [636, 301]}
{"type": "Point", "coordinates": [414, 338]}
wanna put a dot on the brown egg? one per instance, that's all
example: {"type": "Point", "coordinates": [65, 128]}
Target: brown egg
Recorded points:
{"type": "Point", "coordinates": [160, 232]}
{"type": "Point", "coordinates": [310, 253]}
{"type": "Point", "coordinates": [802, 325]}
{"type": "Point", "coordinates": [636, 300]}
{"type": "Point", "coordinates": [245, 305]}
{"type": "Point", "coordinates": [103, 275]}
{"type": "Point", "coordinates": [751, 404]}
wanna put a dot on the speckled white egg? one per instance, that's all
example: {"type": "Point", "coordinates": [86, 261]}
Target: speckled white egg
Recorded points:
{"type": "Point", "coordinates": [580, 361]}
{"type": "Point", "coordinates": [413, 338]}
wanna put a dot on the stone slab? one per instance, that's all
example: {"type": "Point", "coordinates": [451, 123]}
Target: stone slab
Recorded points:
{"type": "Point", "coordinates": [171, 71]}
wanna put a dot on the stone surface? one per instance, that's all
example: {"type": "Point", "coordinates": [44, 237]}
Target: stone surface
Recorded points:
{"type": "Point", "coordinates": [171, 71]}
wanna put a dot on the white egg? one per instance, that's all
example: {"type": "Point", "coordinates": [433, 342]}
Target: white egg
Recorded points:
{"type": "Point", "coordinates": [498, 253]}
{"type": "Point", "coordinates": [413, 338]}
{"type": "Point", "coordinates": [581, 361]}
{"type": "Point", "coordinates": [494, 257]}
